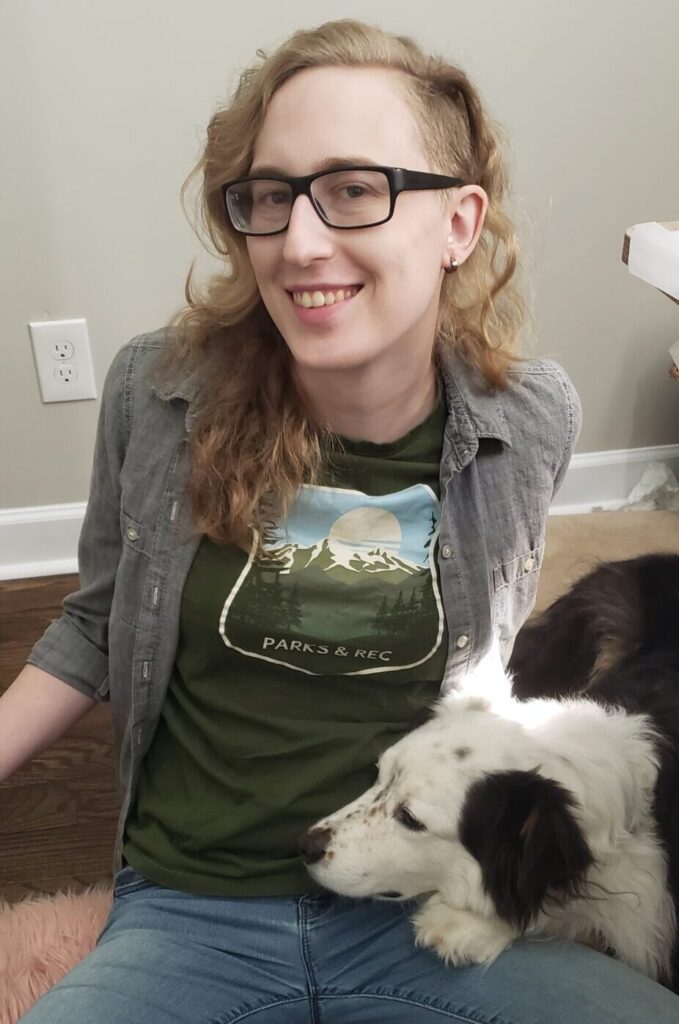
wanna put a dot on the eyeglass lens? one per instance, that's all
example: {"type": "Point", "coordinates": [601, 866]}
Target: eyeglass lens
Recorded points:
{"type": "Point", "coordinates": [346, 199]}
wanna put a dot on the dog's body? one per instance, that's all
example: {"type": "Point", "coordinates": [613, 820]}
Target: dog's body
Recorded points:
{"type": "Point", "coordinates": [542, 816]}
{"type": "Point", "coordinates": [614, 637]}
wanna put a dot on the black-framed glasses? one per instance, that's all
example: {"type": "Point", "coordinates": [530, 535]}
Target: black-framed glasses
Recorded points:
{"type": "Point", "coordinates": [353, 197]}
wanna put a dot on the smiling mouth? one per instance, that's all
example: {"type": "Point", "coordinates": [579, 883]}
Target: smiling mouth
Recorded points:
{"type": "Point", "coordinates": [318, 299]}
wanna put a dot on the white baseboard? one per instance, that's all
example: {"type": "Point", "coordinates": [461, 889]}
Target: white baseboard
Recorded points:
{"type": "Point", "coordinates": [43, 540]}
{"type": "Point", "coordinates": [601, 480]}
{"type": "Point", "coordinates": [40, 541]}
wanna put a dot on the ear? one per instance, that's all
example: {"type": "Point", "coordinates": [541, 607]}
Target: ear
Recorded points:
{"type": "Point", "coordinates": [521, 829]}
{"type": "Point", "coordinates": [468, 208]}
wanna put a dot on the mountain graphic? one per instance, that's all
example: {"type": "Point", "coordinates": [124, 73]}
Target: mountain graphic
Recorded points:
{"type": "Point", "coordinates": [338, 560]}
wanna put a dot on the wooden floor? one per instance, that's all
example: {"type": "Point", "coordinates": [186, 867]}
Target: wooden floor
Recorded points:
{"type": "Point", "coordinates": [58, 814]}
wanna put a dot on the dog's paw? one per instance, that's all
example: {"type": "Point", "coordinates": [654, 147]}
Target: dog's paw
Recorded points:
{"type": "Point", "coordinates": [459, 936]}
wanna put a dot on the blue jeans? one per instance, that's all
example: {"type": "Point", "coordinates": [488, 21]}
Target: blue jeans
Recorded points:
{"type": "Point", "coordinates": [167, 956]}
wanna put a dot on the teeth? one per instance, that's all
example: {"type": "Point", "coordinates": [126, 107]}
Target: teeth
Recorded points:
{"type": "Point", "coordinates": [316, 299]}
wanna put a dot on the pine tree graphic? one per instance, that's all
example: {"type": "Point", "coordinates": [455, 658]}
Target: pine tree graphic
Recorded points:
{"type": "Point", "coordinates": [398, 614]}
{"type": "Point", "coordinates": [294, 609]}
{"type": "Point", "coordinates": [414, 606]}
{"type": "Point", "coordinates": [380, 623]}
{"type": "Point", "coordinates": [432, 530]}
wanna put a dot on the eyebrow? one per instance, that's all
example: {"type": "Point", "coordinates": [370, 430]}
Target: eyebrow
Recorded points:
{"type": "Point", "coordinates": [331, 163]}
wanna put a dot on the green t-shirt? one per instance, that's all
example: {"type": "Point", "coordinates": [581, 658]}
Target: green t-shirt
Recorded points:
{"type": "Point", "coordinates": [294, 672]}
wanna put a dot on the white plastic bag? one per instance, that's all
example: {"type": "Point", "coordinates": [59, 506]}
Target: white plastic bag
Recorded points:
{"type": "Point", "coordinates": [657, 489]}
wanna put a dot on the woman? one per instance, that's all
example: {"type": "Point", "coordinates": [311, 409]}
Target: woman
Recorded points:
{"type": "Point", "coordinates": [311, 517]}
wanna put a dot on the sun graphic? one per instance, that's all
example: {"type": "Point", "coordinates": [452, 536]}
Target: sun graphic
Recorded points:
{"type": "Point", "coordinates": [363, 529]}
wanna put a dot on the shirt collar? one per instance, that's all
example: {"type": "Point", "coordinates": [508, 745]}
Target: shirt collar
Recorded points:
{"type": "Point", "coordinates": [474, 410]}
{"type": "Point", "coordinates": [187, 388]}
{"type": "Point", "coordinates": [184, 387]}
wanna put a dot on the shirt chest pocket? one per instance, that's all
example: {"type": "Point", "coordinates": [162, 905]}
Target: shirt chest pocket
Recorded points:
{"type": "Point", "coordinates": [136, 536]}
{"type": "Point", "coordinates": [515, 584]}
{"type": "Point", "coordinates": [135, 558]}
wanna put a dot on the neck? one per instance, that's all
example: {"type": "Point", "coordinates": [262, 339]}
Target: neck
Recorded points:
{"type": "Point", "coordinates": [363, 404]}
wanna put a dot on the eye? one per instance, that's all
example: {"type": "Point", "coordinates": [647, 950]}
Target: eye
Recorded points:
{"type": "Point", "coordinates": [408, 820]}
{"type": "Point", "coordinates": [353, 191]}
{"type": "Point", "coordinates": [273, 198]}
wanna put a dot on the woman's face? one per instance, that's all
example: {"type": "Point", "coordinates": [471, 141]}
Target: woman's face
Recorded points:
{"type": "Point", "coordinates": [356, 113]}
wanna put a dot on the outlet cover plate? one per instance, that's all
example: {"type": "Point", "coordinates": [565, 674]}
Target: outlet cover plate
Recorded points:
{"type": "Point", "coordinates": [61, 350]}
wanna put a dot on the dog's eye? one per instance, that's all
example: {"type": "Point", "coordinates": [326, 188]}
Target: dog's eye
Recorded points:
{"type": "Point", "coordinates": [403, 815]}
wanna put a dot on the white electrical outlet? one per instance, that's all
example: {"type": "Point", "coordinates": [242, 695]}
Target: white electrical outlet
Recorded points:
{"type": "Point", "coordinates": [61, 349]}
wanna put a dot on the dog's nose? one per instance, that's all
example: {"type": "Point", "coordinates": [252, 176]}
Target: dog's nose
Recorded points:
{"type": "Point", "coordinates": [314, 844]}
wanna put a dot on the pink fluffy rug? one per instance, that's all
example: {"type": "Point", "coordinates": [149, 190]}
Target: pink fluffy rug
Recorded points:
{"type": "Point", "coordinates": [43, 937]}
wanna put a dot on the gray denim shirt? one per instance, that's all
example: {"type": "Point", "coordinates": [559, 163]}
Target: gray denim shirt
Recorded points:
{"type": "Point", "coordinates": [504, 455]}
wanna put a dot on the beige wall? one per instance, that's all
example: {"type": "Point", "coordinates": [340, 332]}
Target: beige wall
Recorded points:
{"type": "Point", "coordinates": [102, 113]}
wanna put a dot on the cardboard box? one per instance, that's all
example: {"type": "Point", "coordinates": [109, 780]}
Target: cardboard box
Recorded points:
{"type": "Point", "coordinates": [651, 252]}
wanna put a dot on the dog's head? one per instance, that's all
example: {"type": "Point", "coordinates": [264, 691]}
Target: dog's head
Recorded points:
{"type": "Point", "coordinates": [460, 808]}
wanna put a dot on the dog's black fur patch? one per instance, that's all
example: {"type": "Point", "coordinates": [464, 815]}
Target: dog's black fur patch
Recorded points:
{"type": "Point", "coordinates": [521, 829]}
{"type": "Point", "coordinates": [612, 616]}
{"type": "Point", "coordinates": [614, 637]}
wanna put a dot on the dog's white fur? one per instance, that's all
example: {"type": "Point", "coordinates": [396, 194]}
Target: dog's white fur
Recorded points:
{"type": "Point", "coordinates": [605, 758]}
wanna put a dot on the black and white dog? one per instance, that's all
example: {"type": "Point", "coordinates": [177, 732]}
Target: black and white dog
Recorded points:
{"type": "Point", "coordinates": [552, 811]}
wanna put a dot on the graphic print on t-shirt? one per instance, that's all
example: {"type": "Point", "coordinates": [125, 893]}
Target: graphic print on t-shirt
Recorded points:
{"type": "Point", "coordinates": [347, 585]}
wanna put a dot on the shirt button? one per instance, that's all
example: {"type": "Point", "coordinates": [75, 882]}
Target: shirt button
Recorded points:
{"type": "Point", "coordinates": [446, 551]}
{"type": "Point", "coordinates": [462, 641]}
{"type": "Point", "coordinates": [528, 564]}
{"type": "Point", "coordinates": [132, 534]}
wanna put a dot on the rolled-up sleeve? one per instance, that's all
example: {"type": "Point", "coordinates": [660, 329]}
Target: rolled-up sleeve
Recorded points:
{"type": "Point", "coordinates": [74, 648]}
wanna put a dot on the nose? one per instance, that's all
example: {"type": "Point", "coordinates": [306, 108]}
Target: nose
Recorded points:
{"type": "Point", "coordinates": [307, 236]}
{"type": "Point", "coordinates": [313, 844]}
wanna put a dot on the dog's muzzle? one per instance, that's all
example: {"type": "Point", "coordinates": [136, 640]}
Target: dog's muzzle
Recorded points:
{"type": "Point", "coordinates": [313, 845]}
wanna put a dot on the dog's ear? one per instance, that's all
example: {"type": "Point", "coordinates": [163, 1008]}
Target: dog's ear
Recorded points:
{"type": "Point", "coordinates": [521, 829]}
